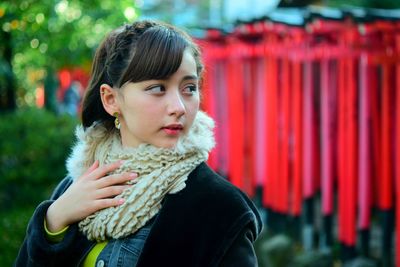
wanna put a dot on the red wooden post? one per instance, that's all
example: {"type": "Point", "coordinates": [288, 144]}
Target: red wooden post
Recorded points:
{"type": "Point", "coordinates": [310, 156]}
{"type": "Point", "coordinates": [385, 190]}
{"type": "Point", "coordinates": [271, 192]}
{"type": "Point", "coordinates": [308, 128]}
{"type": "Point", "coordinates": [397, 150]}
{"type": "Point", "coordinates": [284, 133]}
{"type": "Point", "coordinates": [236, 115]}
{"type": "Point", "coordinates": [328, 108]}
{"type": "Point", "coordinates": [342, 156]}
{"type": "Point", "coordinates": [296, 83]}
{"type": "Point", "coordinates": [208, 89]}
{"type": "Point", "coordinates": [329, 85]}
{"type": "Point", "coordinates": [387, 159]}
{"type": "Point", "coordinates": [297, 112]}
{"type": "Point", "coordinates": [261, 131]}
{"type": "Point", "coordinates": [365, 170]}
{"type": "Point", "coordinates": [249, 123]}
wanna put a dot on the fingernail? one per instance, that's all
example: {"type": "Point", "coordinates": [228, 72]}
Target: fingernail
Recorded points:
{"type": "Point", "coordinates": [121, 162]}
{"type": "Point", "coordinates": [133, 175]}
{"type": "Point", "coordinates": [121, 201]}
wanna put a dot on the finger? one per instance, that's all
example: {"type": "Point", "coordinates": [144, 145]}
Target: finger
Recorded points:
{"type": "Point", "coordinates": [94, 166]}
{"type": "Point", "coordinates": [109, 202]}
{"type": "Point", "coordinates": [111, 191]}
{"type": "Point", "coordinates": [115, 179]}
{"type": "Point", "coordinates": [105, 169]}
{"type": "Point", "coordinates": [91, 168]}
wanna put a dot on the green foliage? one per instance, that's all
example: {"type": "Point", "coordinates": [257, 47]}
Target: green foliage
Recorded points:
{"type": "Point", "coordinates": [385, 4]}
{"type": "Point", "coordinates": [13, 224]}
{"type": "Point", "coordinates": [55, 34]}
{"type": "Point", "coordinates": [34, 146]}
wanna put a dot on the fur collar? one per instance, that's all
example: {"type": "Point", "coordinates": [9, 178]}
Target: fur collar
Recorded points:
{"type": "Point", "coordinates": [85, 151]}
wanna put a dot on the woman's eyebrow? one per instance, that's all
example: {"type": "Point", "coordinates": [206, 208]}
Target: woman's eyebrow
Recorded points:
{"type": "Point", "coordinates": [189, 77]}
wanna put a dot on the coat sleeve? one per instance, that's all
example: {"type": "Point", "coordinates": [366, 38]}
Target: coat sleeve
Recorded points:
{"type": "Point", "coordinates": [35, 249]}
{"type": "Point", "coordinates": [241, 252]}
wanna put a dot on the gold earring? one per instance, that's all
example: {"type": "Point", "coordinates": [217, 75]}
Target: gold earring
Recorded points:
{"type": "Point", "coordinates": [116, 121]}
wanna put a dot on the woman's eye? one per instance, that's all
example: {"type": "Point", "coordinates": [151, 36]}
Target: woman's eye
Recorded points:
{"type": "Point", "coordinates": [190, 89]}
{"type": "Point", "coordinates": [159, 89]}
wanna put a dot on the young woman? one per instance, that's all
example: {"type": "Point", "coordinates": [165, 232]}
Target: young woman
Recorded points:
{"type": "Point", "coordinates": [138, 190]}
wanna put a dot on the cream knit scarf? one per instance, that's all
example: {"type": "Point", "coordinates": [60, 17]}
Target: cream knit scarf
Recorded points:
{"type": "Point", "coordinates": [161, 171]}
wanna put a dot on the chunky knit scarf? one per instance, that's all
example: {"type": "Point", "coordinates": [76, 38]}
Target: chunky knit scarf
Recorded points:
{"type": "Point", "coordinates": [161, 171]}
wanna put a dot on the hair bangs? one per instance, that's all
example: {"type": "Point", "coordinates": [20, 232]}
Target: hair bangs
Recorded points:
{"type": "Point", "coordinates": [157, 56]}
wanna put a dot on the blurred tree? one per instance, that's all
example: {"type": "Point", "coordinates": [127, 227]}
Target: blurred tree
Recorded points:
{"type": "Point", "coordinates": [50, 85]}
{"type": "Point", "coordinates": [39, 37]}
{"type": "Point", "coordinates": [297, 3]}
{"type": "Point", "coordinates": [7, 83]}
{"type": "Point", "coordinates": [384, 4]}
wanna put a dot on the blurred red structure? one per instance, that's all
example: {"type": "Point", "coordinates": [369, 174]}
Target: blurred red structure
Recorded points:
{"type": "Point", "coordinates": [67, 76]}
{"type": "Point", "coordinates": [309, 112]}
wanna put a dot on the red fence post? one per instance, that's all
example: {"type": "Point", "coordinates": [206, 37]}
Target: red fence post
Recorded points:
{"type": "Point", "coordinates": [236, 115]}
{"type": "Point", "coordinates": [208, 90]}
{"type": "Point", "coordinates": [348, 147]}
{"type": "Point", "coordinates": [397, 150]}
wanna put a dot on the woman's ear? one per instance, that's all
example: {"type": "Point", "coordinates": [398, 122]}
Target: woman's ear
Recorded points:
{"type": "Point", "coordinates": [109, 99]}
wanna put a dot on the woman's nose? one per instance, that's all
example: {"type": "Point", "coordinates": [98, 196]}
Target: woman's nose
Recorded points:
{"type": "Point", "coordinates": [176, 105]}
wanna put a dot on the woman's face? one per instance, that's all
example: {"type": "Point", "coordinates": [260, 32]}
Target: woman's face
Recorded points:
{"type": "Point", "coordinates": [159, 112]}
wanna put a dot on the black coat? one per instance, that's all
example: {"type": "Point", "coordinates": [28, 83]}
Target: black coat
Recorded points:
{"type": "Point", "coordinates": [209, 223]}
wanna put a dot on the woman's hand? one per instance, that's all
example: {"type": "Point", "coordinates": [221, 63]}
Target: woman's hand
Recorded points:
{"type": "Point", "coordinates": [93, 191]}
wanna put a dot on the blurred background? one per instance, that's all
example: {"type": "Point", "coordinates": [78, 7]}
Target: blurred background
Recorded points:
{"type": "Point", "coordinates": [305, 95]}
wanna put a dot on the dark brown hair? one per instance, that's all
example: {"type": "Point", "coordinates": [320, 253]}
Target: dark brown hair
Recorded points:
{"type": "Point", "coordinates": [143, 50]}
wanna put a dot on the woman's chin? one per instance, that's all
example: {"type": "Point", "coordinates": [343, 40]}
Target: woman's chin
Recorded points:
{"type": "Point", "coordinates": [168, 144]}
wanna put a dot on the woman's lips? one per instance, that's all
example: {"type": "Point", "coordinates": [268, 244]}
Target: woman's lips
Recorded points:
{"type": "Point", "coordinates": [174, 129]}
